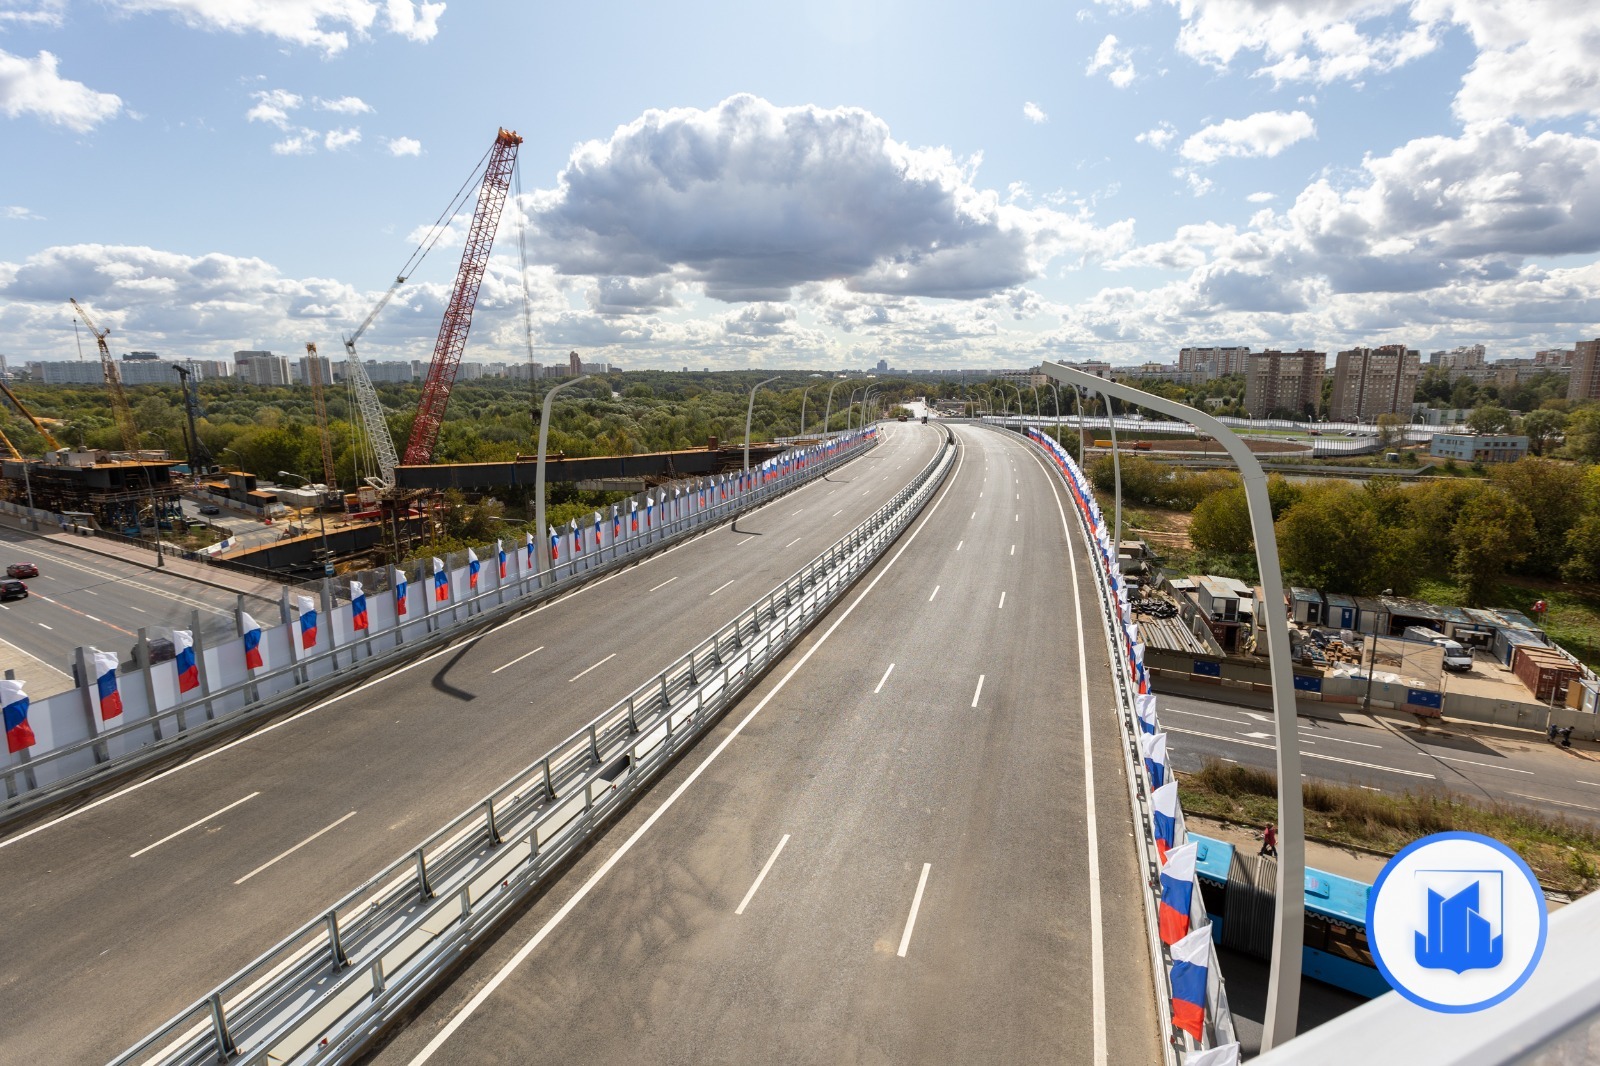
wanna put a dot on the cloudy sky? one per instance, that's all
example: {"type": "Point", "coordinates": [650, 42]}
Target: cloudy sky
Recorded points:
{"type": "Point", "coordinates": [724, 185]}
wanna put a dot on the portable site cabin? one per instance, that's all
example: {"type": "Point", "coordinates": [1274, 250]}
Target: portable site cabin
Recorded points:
{"type": "Point", "coordinates": [1340, 612]}
{"type": "Point", "coordinates": [1372, 617]}
{"type": "Point", "coordinates": [1305, 606]}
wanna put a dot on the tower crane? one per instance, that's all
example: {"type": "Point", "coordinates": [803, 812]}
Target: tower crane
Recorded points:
{"type": "Point", "coordinates": [119, 398]}
{"type": "Point", "coordinates": [457, 322]}
{"type": "Point", "coordinates": [320, 402]}
{"type": "Point", "coordinates": [200, 458]}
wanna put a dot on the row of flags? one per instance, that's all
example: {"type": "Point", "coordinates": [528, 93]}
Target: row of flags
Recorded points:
{"type": "Point", "coordinates": [658, 510]}
{"type": "Point", "coordinates": [1188, 942]}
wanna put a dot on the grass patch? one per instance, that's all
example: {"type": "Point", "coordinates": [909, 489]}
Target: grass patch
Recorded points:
{"type": "Point", "coordinates": [1572, 621]}
{"type": "Point", "coordinates": [1564, 855]}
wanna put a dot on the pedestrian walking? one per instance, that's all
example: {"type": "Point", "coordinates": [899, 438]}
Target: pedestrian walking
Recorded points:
{"type": "Point", "coordinates": [1566, 736]}
{"type": "Point", "coordinates": [1269, 841]}
{"type": "Point", "coordinates": [1554, 729]}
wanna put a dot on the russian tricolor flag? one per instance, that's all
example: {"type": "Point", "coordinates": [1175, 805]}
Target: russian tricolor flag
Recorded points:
{"type": "Point", "coordinates": [105, 683]}
{"type": "Point", "coordinates": [530, 551]}
{"type": "Point", "coordinates": [188, 669]}
{"type": "Point", "coordinates": [473, 566]}
{"type": "Point", "coordinates": [500, 550]}
{"type": "Point", "coordinates": [649, 512]}
{"type": "Point", "coordinates": [1190, 958]}
{"type": "Point", "coordinates": [308, 623]}
{"type": "Point", "coordinates": [633, 516]}
{"type": "Point", "coordinates": [358, 606]}
{"type": "Point", "coordinates": [1145, 708]}
{"type": "Point", "coordinates": [14, 706]}
{"type": "Point", "coordinates": [616, 524]}
{"type": "Point", "coordinates": [597, 521]}
{"type": "Point", "coordinates": [1164, 812]}
{"type": "Point", "coordinates": [252, 642]}
{"type": "Point", "coordinates": [441, 583]}
{"type": "Point", "coordinates": [1177, 894]}
{"type": "Point", "coordinates": [1154, 749]}
{"type": "Point", "coordinates": [399, 592]}
{"type": "Point", "coordinates": [577, 537]}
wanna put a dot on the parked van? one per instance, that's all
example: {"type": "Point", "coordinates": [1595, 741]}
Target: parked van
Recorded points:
{"type": "Point", "coordinates": [1456, 657]}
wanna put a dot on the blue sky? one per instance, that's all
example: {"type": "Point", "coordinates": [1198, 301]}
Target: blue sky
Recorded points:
{"type": "Point", "coordinates": [823, 185]}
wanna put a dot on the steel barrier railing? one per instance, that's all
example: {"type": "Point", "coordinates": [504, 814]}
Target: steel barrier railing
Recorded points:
{"type": "Point", "coordinates": [324, 991]}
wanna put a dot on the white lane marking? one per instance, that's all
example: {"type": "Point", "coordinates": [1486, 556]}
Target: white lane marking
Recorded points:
{"type": "Point", "coordinates": [1307, 754]}
{"type": "Point", "coordinates": [977, 691]}
{"type": "Point", "coordinates": [958, 545]}
{"type": "Point", "coordinates": [793, 542]}
{"type": "Point", "coordinates": [297, 847]}
{"type": "Point", "coordinates": [720, 587]}
{"type": "Point", "coordinates": [762, 876]}
{"type": "Point", "coordinates": [92, 618]}
{"type": "Point", "coordinates": [974, 515]}
{"type": "Point", "coordinates": [1013, 549]}
{"type": "Point", "coordinates": [1371, 788]}
{"type": "Point", "coordinates": [1197, 714]}
{"type": "Point", "coordinates": [1559, 803]}
{"type": "Point", "coordinates": [797, 512]}
{"type": "Point", "coordinates": [980, 495]}
{"type": "Point", "coordinates": [1592, 784]}
{"type": "Point", "coordinates": [1002, 602]}
{"type": "Point", "coordinates": [91, 592]}
{"type": "Point", "coordinates": [538, 938]}
{"type": "Point", "coordinates": [141, 610]}
{"type": "Point", "coordinates": [601, 663]}
{"type": "Point", "coordinates": [665, 583]}
{"type": "Point", "coordinates": [1485, 765]}
{"type": "Point", "coordinates": [518, 659]}
{"type": "Point", "coordinates": [191, 825]}
{"type": "Point", "coordinates": [43, 626]}
{"type": "Point", "coordinates": [837, 513]}
{"type": "Point", "coordinates": [1016, 517]}
{"type": "Point", "coordinates": [1097, 946]}
{"type": "Point", "coordinates": [916, 904]}
{"type": "Point", "coordinates": [1341, 740]}
{"type": "Point", "coordinates": [934, 593]}
{"type": "Point", "coordinates": [884, 679]}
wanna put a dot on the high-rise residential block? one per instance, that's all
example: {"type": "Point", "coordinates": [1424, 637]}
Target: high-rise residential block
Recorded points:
{"type": "Point", "coordinates": [1214, 361]}
{"type": "Point", "coordinates": [1585, 381]}
{"type": "Point", "coordinates": [1284, 383]}
{"type": "Point", "coordinates": [1368, 382]}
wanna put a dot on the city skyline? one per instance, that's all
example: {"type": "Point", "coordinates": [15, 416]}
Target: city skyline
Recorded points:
{"type": "Point", "coordinates": [1112, 182]}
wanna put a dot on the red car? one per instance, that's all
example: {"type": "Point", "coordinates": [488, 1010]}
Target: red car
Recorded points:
{"type": "Point", "coordinates": [22, 570]}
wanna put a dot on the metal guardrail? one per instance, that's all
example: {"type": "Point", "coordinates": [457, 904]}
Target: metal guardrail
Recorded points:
{"type": "Point", "coordinates": [1139, 798]}
{"type": "Point", "coordinates": [323, 992]}
{"type": "Point", "coordinates": [196, 720]}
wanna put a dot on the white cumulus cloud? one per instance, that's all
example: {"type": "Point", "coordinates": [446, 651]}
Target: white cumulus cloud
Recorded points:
{"type": "Point", "coordinates": [1116, 61]}
{"type": "Point", "coordinates": [34, 87]}
{"type": "Point", "coordinates": [345, 105]}
{"type": "Point", "coordinates": [302, 142]}
{"type": "Point", "coordinates": [403, 146]}
{"type": "Point", "coordinates": [1262, 197]}
{"type": "Point", "coordinates": [1159, 137]}
{"type": "Point", "coordinates": [324, 24]}
{"type": "Point", "coordinates": [1033, 112]}
{"type": "Point", "coordinates": [334, 140]}
{"type": "Point", "coordinates": [1265, 133]}
{"type": "Point", "coordinates": [273, 107]}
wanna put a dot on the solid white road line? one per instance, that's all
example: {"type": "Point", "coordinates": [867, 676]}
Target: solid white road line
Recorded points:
{"type": "Point", "coordinates": [665, 583]}
{"type": "Point", "coordinates": [882, 680]}
{"type": "Point", "coordinates": [556, 919]}
{"type": "Point", "coordinates": [191, 825]}
{"type": "Point", "coordinates": [1306, 754]}
{"type": "Point", "coordinates": [934, 593]}
{"type": "Point", "coordinates": [518, 659]}
{"type": "Point", "coordinates": [720, 587]}
{"type": "Point", "coordinates": [1559, 803]}
{"type": "Point", "coordinates": [1002, 602]}
{"type": "Point", "coordinates": [916, 904]}
{"type": "Point", "coordinates": [602, 662]}
{"type": "Point", "coordinates": [762, 876]}
{"type": "Point", "coordinates": [1485, 765]}
{"type": "Point", "coordinates": [296, 848]}
{"type": "Point", "coordinates": [977, 691]}
{"type": "Point", "coordinates": [1097, 945]}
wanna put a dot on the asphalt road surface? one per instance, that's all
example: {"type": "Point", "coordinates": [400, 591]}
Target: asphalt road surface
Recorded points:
{"type": "Point", "coordinates": [86, 599]}
{"type": "Point", "coordinates": [1390, 755]}
{"type": "Point", "coordinates": [133, 906]}
{"type": "Point", "coordinates": [898, 848]}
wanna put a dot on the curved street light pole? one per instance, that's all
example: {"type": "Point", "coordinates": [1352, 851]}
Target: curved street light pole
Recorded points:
{"type": "Point", "coordinates": [828, 412]}
{"type": "Point", "coordinates": [749, 412]}
{"type": "Point", "coordinates": [803, 396]}
{"type": "Point", "coordinates": [850, 408]}
{"type": "Point", "coordinates": [1288, 938]}
{"type": "Point", "coordinates": [538, 477]}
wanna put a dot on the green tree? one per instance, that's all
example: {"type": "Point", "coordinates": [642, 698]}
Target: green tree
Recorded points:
{"type": "Point", "coordinates": [1583, 434]}
{"type": "Point", "coordinates": [1491, 418]}
{"type": "Point", "coordinates": [1389, 428]}
{"type": "Point", "coordinates": [1331, 539]}
{"type": "Point", "coordinates": [1222, 523]}
{"type": "Point", "coordinates": [1542, 427]}
{"type": "Point", "coordinates": [1553, 493]}
{"type": "Point", "coordinates": [1491, 535]}
{"type": "Point", "coordinates": [1583, 550]}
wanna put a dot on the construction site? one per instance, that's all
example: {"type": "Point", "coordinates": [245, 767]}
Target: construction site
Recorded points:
{"type": "Point", "coordinates": [321, 527]}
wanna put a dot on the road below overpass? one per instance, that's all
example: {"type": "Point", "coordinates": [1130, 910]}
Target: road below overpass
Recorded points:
{"type": "Point", "coordinates": [1390, 755]}
{"type": "Point", "coordinates": [84, 598]}
{"type": "Point", "coordinates": [910, 843]}
{"type": "Point", "coordinates": [135, 905]}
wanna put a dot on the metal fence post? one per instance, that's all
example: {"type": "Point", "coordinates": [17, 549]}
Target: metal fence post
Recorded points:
{"type": "Point", "coordinates": [335, 942]}
{"type": "Point", "coordinates": [200, 666]}
{"type": "Point", "coordinates": [422, 876]}
{"type": "Point", "coordinates": [91, 710]}
{"type": "Point", "coordinates": [238, 632]}
{"type": "Point", "coordinates": [219, 1030]}
{"type": "Point", "coordinates": [149, 681]}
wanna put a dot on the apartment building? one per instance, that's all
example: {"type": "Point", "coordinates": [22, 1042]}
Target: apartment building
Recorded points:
{"type": "Point", "coordinates": [261, 368]}
{"type": "Point", "coordinates": [1585, 381]}
{"type": "Point", "coordinates": [1214, 362]}
{"type": "Point", "coordinates": [1368, 382]}
{"type": "Point", "coordinates": [1284, 382]}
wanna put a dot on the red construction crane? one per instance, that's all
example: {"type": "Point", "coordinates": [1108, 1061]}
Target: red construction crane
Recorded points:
{"type": "Point", "coordinates": [458, 314]}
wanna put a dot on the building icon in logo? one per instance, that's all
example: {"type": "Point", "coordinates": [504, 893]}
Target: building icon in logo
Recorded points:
{"type": "Point", "coordinates": [1456, 922]}
{"type": "Point", "coordinates": [1459, 936]}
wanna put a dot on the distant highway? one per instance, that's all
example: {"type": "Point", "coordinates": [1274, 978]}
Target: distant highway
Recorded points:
{"type": "Point", "coordinates": [898, 848]}
{"type": "Point", "coordinates": [137, 903]}
{"type": "Point", "coordinates": [1388, 755]}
